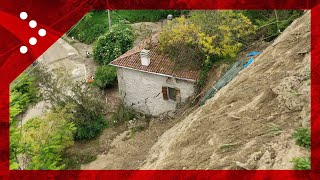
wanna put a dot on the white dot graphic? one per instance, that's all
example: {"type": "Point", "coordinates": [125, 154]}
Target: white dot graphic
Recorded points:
{"type": "Point", "coordinates": [23, 15]}
{"type": "Point", "coordinates": [33, 24]}
{"type": "Point", "coordinates": [42, 32]}
{"type": "Point", "coordinates": [33, 41]}
{"type": "Point", "coordinates": [23, 49]}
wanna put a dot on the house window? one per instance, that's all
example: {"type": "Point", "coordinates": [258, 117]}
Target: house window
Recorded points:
{"type": "Point", "coordinates": [171, 94]}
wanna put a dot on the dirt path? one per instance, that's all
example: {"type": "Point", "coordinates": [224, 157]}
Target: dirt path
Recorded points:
{"type": "Point", "coordinates": [35, 111]}
{"type": "Point", "coordinates": [82, 49]}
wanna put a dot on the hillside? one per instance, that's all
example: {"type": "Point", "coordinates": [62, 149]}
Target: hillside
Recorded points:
{"type": "Point", "coordinates": [249, 123]}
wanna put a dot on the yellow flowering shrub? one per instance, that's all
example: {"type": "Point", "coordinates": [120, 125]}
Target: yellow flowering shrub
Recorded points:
{"type": "Point", "coordinates": [205, 34]}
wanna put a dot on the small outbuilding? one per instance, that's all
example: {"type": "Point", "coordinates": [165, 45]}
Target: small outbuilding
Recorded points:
{"type": "Point", "coordinates": [150, 82]}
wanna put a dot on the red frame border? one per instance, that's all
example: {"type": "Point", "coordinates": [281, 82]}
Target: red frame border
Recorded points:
{"type": "Point", "coordinates": [15, 32]}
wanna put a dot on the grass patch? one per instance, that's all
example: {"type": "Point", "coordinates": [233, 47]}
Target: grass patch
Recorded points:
{"type": "Point", "coordinates": [302, 137]}
{"type": "Point", "coordinates": [93, 25]}
{"type": "Point", "coordinates": [274, 129]}
{"type": "Point", "coordinates": [301, 163]}
{"type": "Point", "coordinates": [227, 146]}
{"type": "Point", "coordinates": [145, 15]}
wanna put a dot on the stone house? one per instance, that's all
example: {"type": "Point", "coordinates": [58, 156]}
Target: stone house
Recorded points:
{"type": "Point", "coordinates": [149, 82]}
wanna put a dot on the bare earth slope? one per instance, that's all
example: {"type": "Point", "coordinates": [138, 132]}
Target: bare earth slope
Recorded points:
{"type": "Point", "coordinates": [249, 123]}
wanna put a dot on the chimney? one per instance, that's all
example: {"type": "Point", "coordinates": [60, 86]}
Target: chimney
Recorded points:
{"type": "Point", "coordinates": [145, 58]}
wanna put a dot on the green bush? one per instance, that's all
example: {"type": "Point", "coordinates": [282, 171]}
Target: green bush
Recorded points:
{"type": "Point", "coordinates": [88, 111]}
{"type": "Point", "coordinates": [206, 67]}
{"type": "Point", "coordinates": [301, 163]}
{"type": "Point", "coordinates": [105, 76]}
{"type": "Point", "coordinates": [88, 103]}
{"type": "Point", "coordinates": [122, 115]}
{"type": "Point", "coordinates": [24, 93]}
{"type": "Point", "coordinates": [44, 140]}
{"type": "Point", "coordinates": [90, 129]}
{"type": "Point", "coordinates": [114, 43]}
{"type": "Point", "coordinates": [302, 137]}
{"type": "Point", "coordinates": [203, 75]}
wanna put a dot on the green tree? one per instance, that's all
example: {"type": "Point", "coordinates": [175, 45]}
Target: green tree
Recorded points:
{"type": "Point", "coordinates": [105, 76]}
{"type": "Point", "coordinates": [115, 42]}
{"type": "Point", "coordinates": [204, 35]}
{"type": "Point", "coordinates": [23, 93]}
{"type": "Point", "coordinates": [15, 138]}
{"type": "Point", "coordinates": [87, 102]}
{"type": "Point", "coordinates": [44, 139]}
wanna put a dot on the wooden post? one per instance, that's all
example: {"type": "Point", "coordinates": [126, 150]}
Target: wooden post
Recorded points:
{"type": "Point", "coordinates": [109, 19]}
{"type": "Point", "coordinates": [275, 12]}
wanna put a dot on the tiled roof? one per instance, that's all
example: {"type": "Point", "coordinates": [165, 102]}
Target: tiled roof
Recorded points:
{"type": "Point", "coordinates": [159, 63]}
